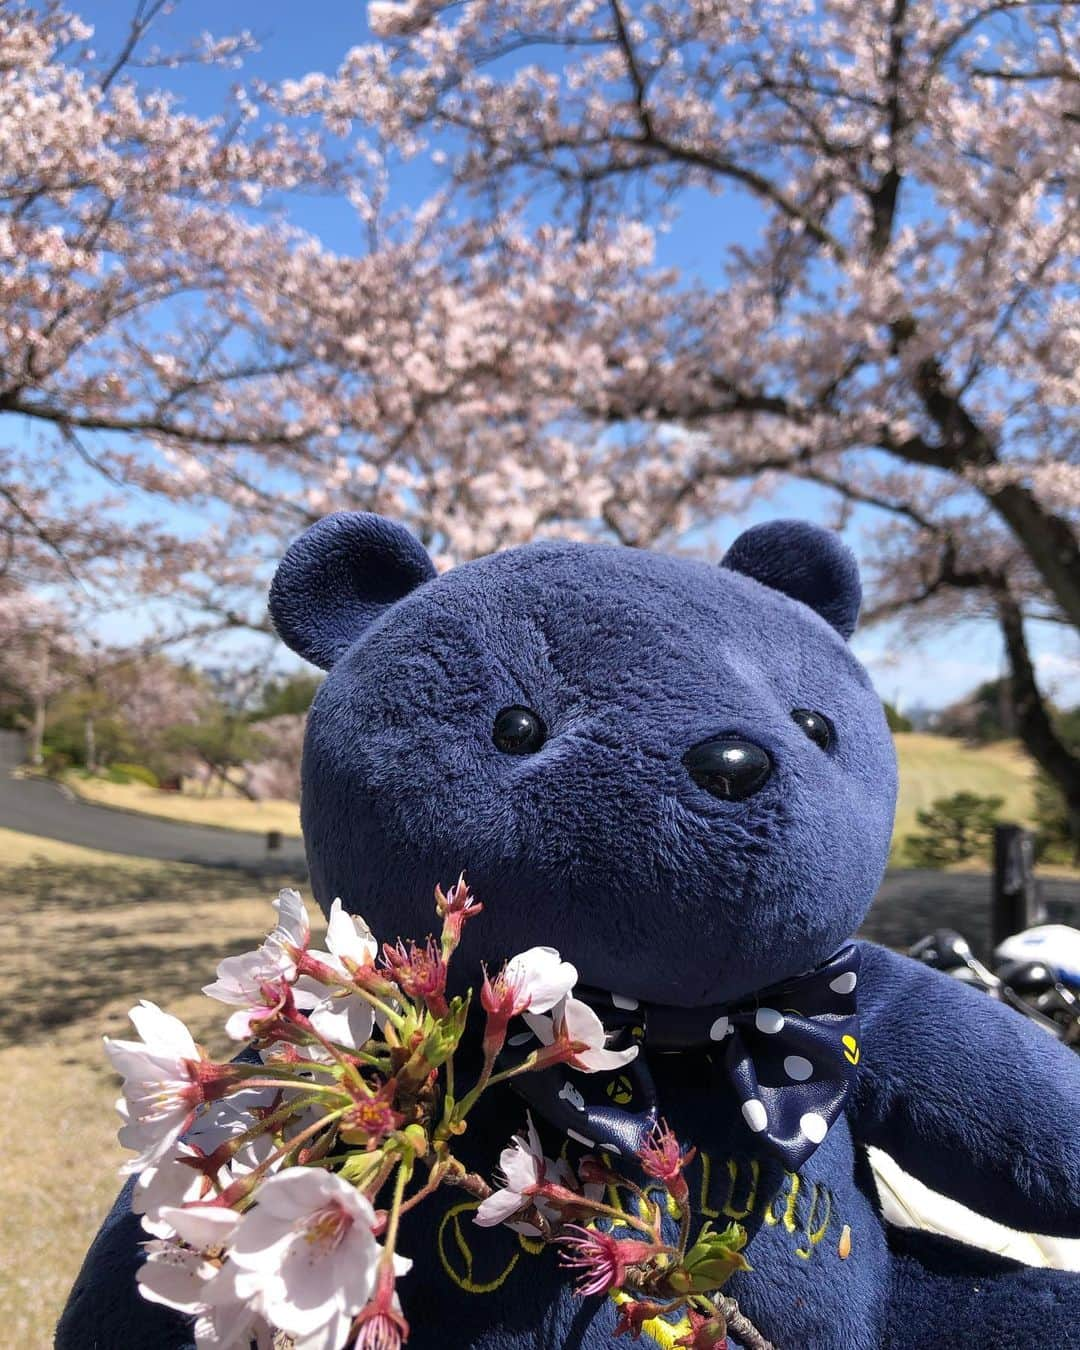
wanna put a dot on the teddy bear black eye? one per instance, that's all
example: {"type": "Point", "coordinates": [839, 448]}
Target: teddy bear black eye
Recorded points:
{"type": "Point", "coordinates": [519, 731]}
{"type": "Point", "coordinates": [816, 725]}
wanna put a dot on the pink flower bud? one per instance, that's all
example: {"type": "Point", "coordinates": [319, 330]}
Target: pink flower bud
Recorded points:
{"type": "Point", "coordinates": [455, 907]}
{"type": "Point", "coordinates": [661, 1156]}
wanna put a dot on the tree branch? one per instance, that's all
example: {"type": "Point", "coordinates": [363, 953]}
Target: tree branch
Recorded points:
{"type": "Point", "coordinates": [1033, 719]}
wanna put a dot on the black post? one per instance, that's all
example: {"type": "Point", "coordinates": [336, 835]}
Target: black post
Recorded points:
{"type": "Point", "coordinates": [273, 840]}
{"type": "Point", "coordinates": [1016, 903]}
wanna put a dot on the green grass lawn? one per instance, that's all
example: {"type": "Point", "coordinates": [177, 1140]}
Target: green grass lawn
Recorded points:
{"type": "Point", "coordinates": [936, 766]}
{"type": "Point", "coordinates": [192, 808]}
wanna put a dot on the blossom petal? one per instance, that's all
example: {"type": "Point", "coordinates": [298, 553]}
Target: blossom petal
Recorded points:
{"type": "Point", "coordinates": [542, 977]}
{"type": "Point", "coordinates": [498, 1207]}
{"type": "Point", "coordinates": [202, 1226]}
{"type": "Point", "coordinates": [170, 1183]}
{"type": "Point", "coordinates": [344, 1021]}
{"type": "Point", "coordinates": [293, 924]}
{"type": "Point", "coordinates": [175, 1276]}
{"type": "Point", "coordinates": [348, 935]}
{"type": "Point", "coordinates": [162, 1032]}
{"type": "Point", "coordinates": [603, 1061]}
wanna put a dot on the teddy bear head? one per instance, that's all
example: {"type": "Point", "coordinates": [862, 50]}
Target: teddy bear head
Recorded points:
{"type": "Point", "coordinates": [674, 772]}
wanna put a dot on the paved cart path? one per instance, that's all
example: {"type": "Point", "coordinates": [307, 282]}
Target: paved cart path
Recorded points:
{"type": "Point", "coordinates": [912, 903]}
{"type": "Point", "coordinates": [909, 904]}
{"type": "Point", "coordinates": [35, 806]}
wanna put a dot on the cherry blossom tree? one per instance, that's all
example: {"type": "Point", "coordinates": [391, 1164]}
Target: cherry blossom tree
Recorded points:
{"type": "Point", "coordinates": [168, 336]}
{"type": "Point", "coordinates": [508, 358]}
{"type": "Point", "coordinates": [903, 331]}
{"type": "Point", "coordinates": [35, 661]}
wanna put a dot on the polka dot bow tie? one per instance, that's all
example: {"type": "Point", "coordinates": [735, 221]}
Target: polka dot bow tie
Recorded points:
{"type": "Point", "coordinates": [790, 1054]}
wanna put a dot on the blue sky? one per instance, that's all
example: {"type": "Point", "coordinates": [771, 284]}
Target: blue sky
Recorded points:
{"type": "Point", "coordinates": [297, 38]}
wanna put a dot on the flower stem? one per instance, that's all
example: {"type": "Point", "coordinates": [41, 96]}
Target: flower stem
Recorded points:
{"type": "Point", "coordinates": [404, 1172]}
{"type": "Point", "coordinates": [450, 1080]}
{"type": "Point", "coordinates": [545, 1058]}
{"type": "Point", "coordinates": [434, 1181]}
{"type": "Point", "coordinates": [631, 1220]}
{"type": "Point", "coordinates": [298, 1085]}
{"type": "Point", "coordinates": [462, 1108]}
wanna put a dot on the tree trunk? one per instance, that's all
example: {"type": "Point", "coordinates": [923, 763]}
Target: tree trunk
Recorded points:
{"type": "Point", "coordinates": [37, 727]}
{"type": "Point", "coordinates": [91, 744]}
{"type": "Point", "coordinates": [37, 732]}
{"type": "Point", "coordinates": [1033, 722]}
{"type": "Point", "coordinates": [1049, 541]}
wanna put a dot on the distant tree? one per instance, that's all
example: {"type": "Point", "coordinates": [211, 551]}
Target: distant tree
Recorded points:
{"type": "Point", "coordinates": [221, 744]}
{"type": "Point", "coordinates": [954, 828]}
{"type": "Point", "coordinates": [122, 707]}
{"type": "Point", "coordinates": [37, 661]}
{"type": "Point", "coordinates": [276, 773]}
{"type": "Point", "coordinates": [896, 719]}
{"type": "Point", "coordinates": [284, 697]}
{"type": "Point", "coordinates": [985, 715]}
{"type": "Point", "coordinates": [224, 741]}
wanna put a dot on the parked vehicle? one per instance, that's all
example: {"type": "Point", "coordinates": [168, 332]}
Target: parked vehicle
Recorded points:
{"type": "Point", "coordinates": [1037, 972]}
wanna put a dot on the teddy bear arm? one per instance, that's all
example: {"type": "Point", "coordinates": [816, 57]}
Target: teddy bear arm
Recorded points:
{"type": "Point", "coordinates": [967, 1095]}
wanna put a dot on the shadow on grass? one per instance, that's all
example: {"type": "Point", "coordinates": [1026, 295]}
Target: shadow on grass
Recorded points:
{"type": "Point", "coordinates": [77, 889]}
{"type": "Point", "coordinates": [87, 936]}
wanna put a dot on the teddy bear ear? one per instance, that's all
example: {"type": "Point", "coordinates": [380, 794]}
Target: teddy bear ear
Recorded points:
{"type": "Point", "coordinates": [338, 577]}
{"type": "Point", "coordinates": [806, 562]}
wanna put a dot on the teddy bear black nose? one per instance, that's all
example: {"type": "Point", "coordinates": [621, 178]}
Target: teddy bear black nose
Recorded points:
{"type": "Point", "coordinates": [728, 768]}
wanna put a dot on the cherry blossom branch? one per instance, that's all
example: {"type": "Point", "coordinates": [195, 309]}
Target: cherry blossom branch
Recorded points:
{"type": "Point", "coordinates": [740, 1325]}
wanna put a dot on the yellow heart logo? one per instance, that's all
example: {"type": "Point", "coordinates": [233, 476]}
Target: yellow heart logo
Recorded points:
{"type": "Point", "coordinates": [851, 1049]}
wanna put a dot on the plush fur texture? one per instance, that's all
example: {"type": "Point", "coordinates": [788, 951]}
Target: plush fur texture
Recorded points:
{"type": "Point", "coordinates": [600, 843]}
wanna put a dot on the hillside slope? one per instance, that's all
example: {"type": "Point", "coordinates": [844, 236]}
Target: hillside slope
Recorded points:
{"type": "Point", "coordinates": [937, 766]}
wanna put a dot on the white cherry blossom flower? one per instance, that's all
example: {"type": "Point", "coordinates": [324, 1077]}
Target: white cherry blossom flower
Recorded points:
{"type": "Point", "coordinates": [348, 938]}
{"type": "Point", "coordinates": [347, 1020]}
{"type": "Point", "coordinates": [540, 978]}
{"type": "Point", "coordinates": [190, 1279]}
{"type": "Point", "coordinates": [306, 1254]}
{"type": "Point", "coordinates": [523, 1165]}
{"type": "Point", "coordinates": [175, 1276]}
{"type": "Point", "coordinates": [182, 1277]}
{"type": "Point", "coordinates": [162, 1087]}
{"type": "Point", "coordinates": [167, 1183]}
{"type": "Point", "coordinates": [229, 1322]}
{"type": "Point", "coordinates": [171, 1181]}
{"type": "Point", "coordinates": [573, 1020]}
{"type": "Point", "coordinates": [240, 979]}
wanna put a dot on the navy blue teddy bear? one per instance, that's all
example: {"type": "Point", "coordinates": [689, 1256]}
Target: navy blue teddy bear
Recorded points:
{"type": "Point", "coordinates": [679, 775]}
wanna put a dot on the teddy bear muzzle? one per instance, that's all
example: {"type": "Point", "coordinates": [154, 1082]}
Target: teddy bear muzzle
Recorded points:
{"type": "Point", "coordinates": [728, 768]}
